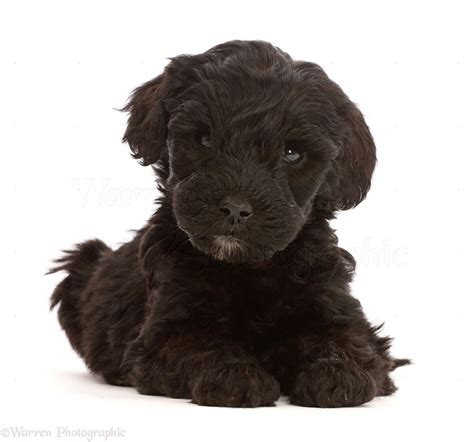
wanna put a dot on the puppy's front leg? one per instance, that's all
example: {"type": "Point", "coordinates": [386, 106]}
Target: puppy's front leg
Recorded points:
{"type": "Point", "coordinates": [202, 367]}
{"type": "Point", "coordinates": [332, 378]}
{"type": "Point", "coordinates": [194, 357]}
{"type": "Point", "coordinates": [341, 360]}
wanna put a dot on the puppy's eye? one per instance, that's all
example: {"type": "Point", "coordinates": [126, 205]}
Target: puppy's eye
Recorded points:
{"type": "Point", "coordinates": [205, 141]}
{"type": "Point", "coordinates": [292, 156]}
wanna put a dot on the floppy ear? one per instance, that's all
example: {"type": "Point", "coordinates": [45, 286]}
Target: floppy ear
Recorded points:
{"type": "Point", "coordinates": [147, 123]}
{"type": "Point", "coordinates": [348, 179]}
{"type": "Point", "coordinates": [150, 106]}
{"type": "Point", "coordinates": [355, 162]}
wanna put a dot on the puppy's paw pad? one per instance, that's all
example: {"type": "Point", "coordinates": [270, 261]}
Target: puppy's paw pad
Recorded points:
{"type": "Point", "coordinates": [236, 385]}
{"type": "Point", "coordinates": [332, 384]}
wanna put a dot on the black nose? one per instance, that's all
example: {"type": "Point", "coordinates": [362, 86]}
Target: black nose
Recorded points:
{"type": "Point", "coordinates": [235, 209]}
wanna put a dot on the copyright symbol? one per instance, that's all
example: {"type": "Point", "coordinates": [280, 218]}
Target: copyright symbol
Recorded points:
{"type": "Point", "coordinates": [4, 432]}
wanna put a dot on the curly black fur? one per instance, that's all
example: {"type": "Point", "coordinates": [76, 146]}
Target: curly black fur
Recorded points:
{"type": "Point", "coordinates": [236, 290]}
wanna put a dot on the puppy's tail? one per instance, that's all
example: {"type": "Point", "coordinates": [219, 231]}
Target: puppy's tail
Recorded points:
{"type": "Point", "coordinates": [400, 362]}
{"type": "Point", "coordinates": [79, 263]}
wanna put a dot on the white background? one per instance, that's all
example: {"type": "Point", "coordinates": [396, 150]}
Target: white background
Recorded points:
{"type": "Point", "coordinates": [66, 177]}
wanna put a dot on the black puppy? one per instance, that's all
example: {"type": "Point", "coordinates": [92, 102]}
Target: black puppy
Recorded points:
{"type": "Point", "coordinates": [236, 289]}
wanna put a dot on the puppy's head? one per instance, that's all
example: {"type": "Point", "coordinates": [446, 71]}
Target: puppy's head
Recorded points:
{"type": "Point", "coordinates": [248, 144]}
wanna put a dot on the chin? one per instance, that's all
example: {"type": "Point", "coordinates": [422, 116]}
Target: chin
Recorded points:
{"type": "Point", "coordinates": [233, 250]}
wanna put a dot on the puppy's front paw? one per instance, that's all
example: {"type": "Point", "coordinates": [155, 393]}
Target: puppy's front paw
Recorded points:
{"type": "Point", "coordinates": [235, 385]}
{"type": "Point", "coordinates": [332, 383]}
